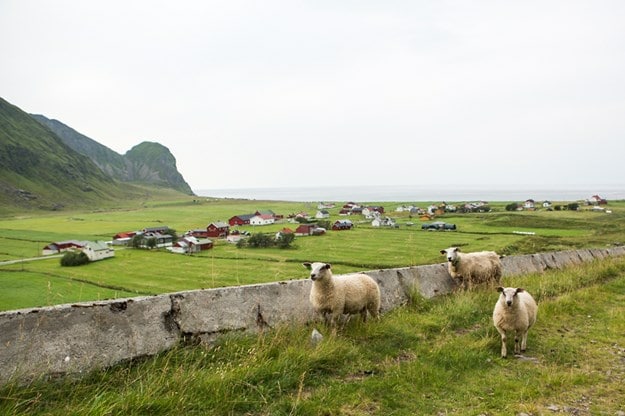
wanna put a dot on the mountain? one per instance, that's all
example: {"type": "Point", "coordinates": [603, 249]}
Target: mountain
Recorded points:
{"type": "Point", "coordinates": [38, 170]}
{"type": "Point", "coordinates": [148, 162]}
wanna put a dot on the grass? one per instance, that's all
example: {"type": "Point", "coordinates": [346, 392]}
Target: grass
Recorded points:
{"type": "Point", "coordinates": [363, 248]}
{"type": "Point", "coordinates": [437, 356]}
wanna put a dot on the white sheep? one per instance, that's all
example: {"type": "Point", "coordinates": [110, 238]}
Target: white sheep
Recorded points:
{"type": "Point", "coordinates": [333, 296]}
{"type": "Point", "coordinates": [515, 310]}
{"type": "Point", "coordinates": [473, 268]}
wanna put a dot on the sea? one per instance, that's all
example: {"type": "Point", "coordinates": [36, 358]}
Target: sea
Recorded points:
{"type": "Point", "coordinates": [415, 193]}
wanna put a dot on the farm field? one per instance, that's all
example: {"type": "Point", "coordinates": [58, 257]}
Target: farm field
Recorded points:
{"type": "Point", "coordinates": [135, 272]}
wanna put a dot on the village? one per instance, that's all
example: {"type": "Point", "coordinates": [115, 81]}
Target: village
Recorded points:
{"type": "Point", "coordinates": [201, 239]}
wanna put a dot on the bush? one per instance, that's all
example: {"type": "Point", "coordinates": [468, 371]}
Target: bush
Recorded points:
{"type": "Point", "coordinates": [74, 258]}
{"type": "Point", "coordinates": [285, 240]}
{"type": "Point", "coordinates": [512, 207]}
{"type": "Point", "coordinates": [260, 240]}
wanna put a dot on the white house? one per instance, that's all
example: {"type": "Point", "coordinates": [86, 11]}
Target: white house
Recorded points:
{"type": "Point", "coordinates": [322, 214]}
{"type": "Point", "coordinates": [383, 222]}
{"type": "Point", "coordinates": [529, 204]}
{"type": "Point", "coordinates": [262, 219]}
{"type": "Point", "coordinates": [97, 250]}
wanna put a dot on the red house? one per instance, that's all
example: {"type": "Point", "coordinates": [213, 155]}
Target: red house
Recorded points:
{"type": "Point", "coordinates": [305, 229]}
{"type": "Point", "coordinates": [241, 219]}
{"type": "Point", "coordinates": [199, 233]}
{"type": "Point", "coordinates": [217, 229]}
{"type": "Point", "coordinates": [342, 225]}
{"type": "Point", "coordinates": [60, 246]}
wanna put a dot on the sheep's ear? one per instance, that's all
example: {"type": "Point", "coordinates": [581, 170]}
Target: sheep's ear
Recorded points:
{"type": "Point", "coordinates": [327, 266]}
{"type": "Point", "coordinates": [457, 249]}
{"type": "Point", "coordinates": [307, 265]}
{"type": "Point", "coordinates": [500, 289]}
{"type": "Point", "coordinates": [519, 290]}
{"type": "Point", "coordinates": [443, 252]}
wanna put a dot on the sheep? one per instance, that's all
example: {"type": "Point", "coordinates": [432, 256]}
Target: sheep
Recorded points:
{"type": "Point", "coordinates": [331, 296]}
{"type": "Point", "coordinates": [473, 268]}
{"type": "Point", "coordinates": [515, 310]}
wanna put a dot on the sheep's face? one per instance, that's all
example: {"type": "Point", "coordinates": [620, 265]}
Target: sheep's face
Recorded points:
{"type": "Point", "coordinates": [317, 270]}
{"type": "Point", "coordinates": [508, 295]}
{"type": "Point", "coordinates": [451, 253]}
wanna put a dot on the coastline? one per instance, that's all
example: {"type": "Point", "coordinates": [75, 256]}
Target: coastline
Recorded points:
{"type": "Point", "coordinates": [399, 193]}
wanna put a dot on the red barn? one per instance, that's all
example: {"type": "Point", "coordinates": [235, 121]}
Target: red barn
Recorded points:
{"type": "Point", "coordinates": [240, 219]}
{"type": "Point", "coordinates": [217, 229]}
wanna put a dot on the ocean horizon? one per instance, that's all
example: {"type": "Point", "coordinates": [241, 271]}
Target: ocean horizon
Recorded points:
{"type": "Point", "coordinates": [415, 193]}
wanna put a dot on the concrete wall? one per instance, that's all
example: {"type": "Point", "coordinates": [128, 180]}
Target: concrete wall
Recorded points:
{"type": "Point", "coordinates": [80, 337]}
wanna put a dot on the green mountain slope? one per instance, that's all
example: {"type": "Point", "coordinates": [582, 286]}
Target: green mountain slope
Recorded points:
{"type": "Point", "coordinates": [148, 163]}
{"type": "Point", "coordinates": [154, 163]}
{"type": "Point", "coordinates": [38, 170]}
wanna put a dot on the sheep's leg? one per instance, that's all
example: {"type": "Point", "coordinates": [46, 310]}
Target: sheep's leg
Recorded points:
{"type": "Point", "coordinates": [524, 341]}
{"type": "Point", "coordinates": [363, 313]}
{"type": "Point", "coordinates": [504, 350]}
{"type": "Point", "coordinates": [517, 345]}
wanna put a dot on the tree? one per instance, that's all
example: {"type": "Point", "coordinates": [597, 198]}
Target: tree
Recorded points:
{"type": "Point", "coordinates": [285, 240]}
{"type": "Point", "coordinates": [136, 241]}
{"type": "Point", "coordinates": [573, 206]}
{"type": "Point", "coordinates": [74, 258]}
{"type": "Point", "coordinates": [512, 207]}
{"type": "Point", "coordinates": [260, 240]}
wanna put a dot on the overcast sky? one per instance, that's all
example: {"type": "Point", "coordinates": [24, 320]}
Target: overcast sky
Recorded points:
{"type": "Point", "coordinates": [317, 93]}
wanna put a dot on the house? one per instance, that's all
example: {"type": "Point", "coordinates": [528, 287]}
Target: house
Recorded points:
{"type": "Point", "coordinates": [234, 237]}
{"type": "Point", "coordinates": [340, 225]}
{"type": "Point", "coordinates": [547, 204]}
{"type": "Point", "coordinates": [123, 238]}
{"type": "Point", "coordinates": [189, 244]}
{"type": "Point", "coordinates": [161, 230]}
{"type": "Point", "coordinates": [529, 204]}
{"type": "Point", "coordinates": [97, 250]}
{"type": "Point", "coordinates": [305, 229]}
{"type": "Point", "coordinates": [383, 222]}
{"type": "Point", "coordinates": [263, 219]}
{"type": "Point", "coordinates": [61, 246]}
{"type": "Point", "coordinates": [283, 231]}
{"type": "Point", "coordinates": [197, 233]}
{"type": "Point", "coordinates": [217, 229]}
{"type": "Point", "coordinates": [265, 212]}
{"type": "Point", "coordinates": [322, 214]}
{"type": "Point", "coordinates": [368, 211]}
{"type": "Point", "coordinates": [160, 240]}
{"type": "Point", "coordinates": [240, 219]}
{"type": "Point", "coordinates": [325, 205]}
{"type": "Point", "coordinates": [596, 200]}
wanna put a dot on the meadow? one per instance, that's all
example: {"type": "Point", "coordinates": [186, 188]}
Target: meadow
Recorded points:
{"type": "Point", "coordinates": [135, 272]}
{"type": "Point", "coordinates": [435, 356]}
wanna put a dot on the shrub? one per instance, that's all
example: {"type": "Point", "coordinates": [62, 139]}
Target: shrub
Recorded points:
{"type": "Point", "coordinates": [74, 258]}
{"type": "Point", "coordinates": [285, 240]}
{"type": "Point", "coordinates": [260, 240]}
{"type": "Point", "coordinates": [512, 207]}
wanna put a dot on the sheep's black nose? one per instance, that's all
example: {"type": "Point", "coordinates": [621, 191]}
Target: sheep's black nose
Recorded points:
{"type": "Point", "coordinates": [313, 276]}
{"type": "Point", "coordinates": [509, 302]}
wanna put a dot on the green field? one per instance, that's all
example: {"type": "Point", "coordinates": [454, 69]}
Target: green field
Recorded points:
{"type": "Point", "coordinates": [431, 357]}
{"type": "Point", "coordinates": [141, 272]}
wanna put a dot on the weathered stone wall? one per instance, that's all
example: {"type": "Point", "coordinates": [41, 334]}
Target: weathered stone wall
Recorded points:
{"type": "Point", "coordinates": [79, 337]}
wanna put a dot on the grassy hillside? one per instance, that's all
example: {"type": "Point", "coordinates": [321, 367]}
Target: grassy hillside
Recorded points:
{"type": "Point", "coordinates": [160, 163]}
{"type": "Point", "coordinates": [40, 172]}
{"type": "Point", "coordinates": [432, 357]}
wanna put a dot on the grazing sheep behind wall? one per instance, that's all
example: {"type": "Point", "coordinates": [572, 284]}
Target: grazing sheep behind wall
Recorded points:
{"type": "Point", "coordinates": [473, 268]}
{"type": "Point", "coordinates": [333, 296]}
